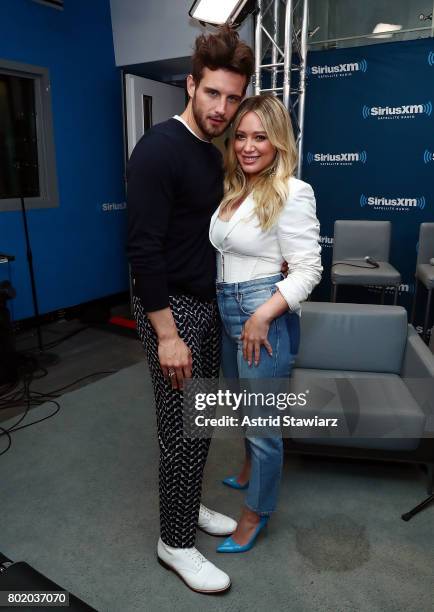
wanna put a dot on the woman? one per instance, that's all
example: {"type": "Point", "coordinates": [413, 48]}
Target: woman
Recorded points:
{"type": "Point", "coordinates": [266, 217]}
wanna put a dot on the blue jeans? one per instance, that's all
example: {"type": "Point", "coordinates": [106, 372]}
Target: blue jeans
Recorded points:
{"type": "Point", "coordinates": [237, 302]}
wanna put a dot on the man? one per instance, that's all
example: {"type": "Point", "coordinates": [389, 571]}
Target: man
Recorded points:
{"type": "Point", "coordinates": [175, 183]}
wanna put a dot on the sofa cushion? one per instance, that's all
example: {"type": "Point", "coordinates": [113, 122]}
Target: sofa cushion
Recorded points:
{"type": "Point", "coordinates": [357, 337]}
{"type": "Point", "coordinates": [373, 410]}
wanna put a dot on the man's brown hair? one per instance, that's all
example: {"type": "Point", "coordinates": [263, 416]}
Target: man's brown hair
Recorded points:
{"type": "Point", "coordinates": [222, 50]}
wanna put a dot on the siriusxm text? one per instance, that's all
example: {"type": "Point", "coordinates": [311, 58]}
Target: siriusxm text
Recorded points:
{"type": "Point", "coordinates": [335, 69]}
{"type": "Point", "coordinates": [405, 109]}
{"type": "Point", "coordinates": [109, 206]}
{"type": "Point", "coordinates": [377, 201]}
{"type": "Point", "coordinates": [340, 157]}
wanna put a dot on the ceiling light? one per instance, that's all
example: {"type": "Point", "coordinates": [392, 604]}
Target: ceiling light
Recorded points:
{"type": "Point", "coordinates": [222, 11]}
{"type": "Point", "coordinates": [387, 28]}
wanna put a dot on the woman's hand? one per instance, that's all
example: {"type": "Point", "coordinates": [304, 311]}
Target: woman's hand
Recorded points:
{"type": "Point", "coordinates": [255, 330]}
{"type": "Point", "coordinates": [255, 334]}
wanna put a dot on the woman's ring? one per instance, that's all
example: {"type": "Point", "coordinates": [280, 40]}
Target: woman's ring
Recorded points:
{"type": "Point", "coordinates": [171, 372]}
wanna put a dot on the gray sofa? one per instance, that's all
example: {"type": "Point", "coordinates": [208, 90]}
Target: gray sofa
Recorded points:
{"type": "Point", "coordinates": [364, 364]}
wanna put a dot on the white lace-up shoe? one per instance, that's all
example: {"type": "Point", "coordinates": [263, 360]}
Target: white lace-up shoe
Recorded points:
{"type": "Point", "coordinates": [197, 572]}
{"type": "Point", "coordinates": [214, 523]}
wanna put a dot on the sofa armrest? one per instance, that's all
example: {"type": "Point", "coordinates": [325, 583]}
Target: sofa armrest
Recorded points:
{"type": "Point", "coordinates": [418, 360]}
{"type": "Point", "coordinates": [418, 375]}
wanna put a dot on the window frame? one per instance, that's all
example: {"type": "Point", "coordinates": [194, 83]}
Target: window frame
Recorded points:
{"type": "Point", "coordinates": [49, 195]}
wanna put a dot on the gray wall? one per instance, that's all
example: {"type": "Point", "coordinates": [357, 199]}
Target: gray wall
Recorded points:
{"type": "Point", "coordinates": [153, 30]}
{"type": "Point", "coordinates": [341, 18]}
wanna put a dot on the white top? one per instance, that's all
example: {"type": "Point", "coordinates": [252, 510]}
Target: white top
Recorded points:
{"type": "Point", "coordinates": [181, 120]}
{"type": "Point", "coordinates": [247, 252]}
{"type": "Point", "coordinates": [219, 232]}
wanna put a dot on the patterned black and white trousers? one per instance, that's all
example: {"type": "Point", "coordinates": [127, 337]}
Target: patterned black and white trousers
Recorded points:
{"type": "Point", "coordinates": [182, 459]}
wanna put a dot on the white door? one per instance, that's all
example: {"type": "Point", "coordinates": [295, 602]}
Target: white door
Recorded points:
{"type": "Point", "coordinates": [148, 103]}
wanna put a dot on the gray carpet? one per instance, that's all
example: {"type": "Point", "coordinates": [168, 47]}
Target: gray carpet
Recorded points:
{"type": "Point", "coordinates": [79, 502]}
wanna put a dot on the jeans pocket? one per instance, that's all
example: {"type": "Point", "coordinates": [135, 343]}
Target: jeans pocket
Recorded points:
{"type": "Point", "coordinates": [251, 300]}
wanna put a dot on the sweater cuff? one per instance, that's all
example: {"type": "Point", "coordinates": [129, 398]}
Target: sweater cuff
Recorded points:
{"type": "Point", "coordinates": [152, 291]}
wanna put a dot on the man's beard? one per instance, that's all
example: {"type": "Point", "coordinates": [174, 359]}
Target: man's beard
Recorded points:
{"type": "Point", "coordinates": [209, 130]}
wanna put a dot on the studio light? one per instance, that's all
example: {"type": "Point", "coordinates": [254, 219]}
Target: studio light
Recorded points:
{"type": "Point", "coordinates": [384, 30]}
{"type": "Point", "coordinates": [219, 12]}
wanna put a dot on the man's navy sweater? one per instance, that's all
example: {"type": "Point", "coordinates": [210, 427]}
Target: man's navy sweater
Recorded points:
{"type": "Point", "coordinates": [175, 183]}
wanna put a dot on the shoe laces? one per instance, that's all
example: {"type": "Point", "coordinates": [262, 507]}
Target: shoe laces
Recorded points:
{"type": "Point", "coordinates": [205, 512]}
{"type": "Point", "coordinates": [196, 557]}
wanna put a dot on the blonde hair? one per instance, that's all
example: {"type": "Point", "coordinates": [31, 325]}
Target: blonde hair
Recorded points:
{"type": "Point", "coordinates": [270, 189]}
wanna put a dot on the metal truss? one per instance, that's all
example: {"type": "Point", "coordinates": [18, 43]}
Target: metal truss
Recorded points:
{"type": "Point", "coordinates": [281, 42]}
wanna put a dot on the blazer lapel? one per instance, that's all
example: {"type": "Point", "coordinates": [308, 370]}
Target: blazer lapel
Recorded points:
{"type": "Point", "coordinates": [211, 225]}
{"type": "Point", "coordinates": [242, 212]}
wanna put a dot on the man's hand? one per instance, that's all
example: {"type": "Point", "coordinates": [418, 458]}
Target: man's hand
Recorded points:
{"type": "Point", "coordinates": [174, 355]}
{"type": "Point", "coordinates": [175, 360]}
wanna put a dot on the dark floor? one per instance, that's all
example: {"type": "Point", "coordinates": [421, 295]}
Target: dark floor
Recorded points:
{"type": "Point", "coordinates": [95, 352]}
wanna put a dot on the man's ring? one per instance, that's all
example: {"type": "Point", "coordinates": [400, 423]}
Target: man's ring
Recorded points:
{"type": "Point", "coordinates": [171, 372]}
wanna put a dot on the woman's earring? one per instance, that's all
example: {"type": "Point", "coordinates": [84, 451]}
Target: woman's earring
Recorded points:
{"type": "Point", "coordinates": [272, 171]}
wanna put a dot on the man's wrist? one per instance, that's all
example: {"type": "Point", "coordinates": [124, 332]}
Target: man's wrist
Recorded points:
{"type": "Point", "coordinates": [168, 334]}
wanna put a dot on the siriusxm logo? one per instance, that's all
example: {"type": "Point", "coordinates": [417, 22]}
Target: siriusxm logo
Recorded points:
{"type": "Point", "coordinates": [431, 58]}
{"type": "Point", "coordinates": [428, 156]}
{"type": "Point", "coordinates": [326, 241]}
{"type": "Point", "coordinates": [107, 207]}
{"type": "Point", "coordinates": [406, 111]}
{"type": "Point", "coordinates": [337, 159]}
{"type": "Point", "coordinates": [337, 70]}
{"type": "Point", "coordinates": [403, 288]}
{"type": "Point", "coordinates": [382, 203]}
{"type": "Point", "coordinates": [419, 329]}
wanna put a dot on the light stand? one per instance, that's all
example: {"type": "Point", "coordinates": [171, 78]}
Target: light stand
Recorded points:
{"type": "Point", "coordinates": [44, 358]}
{"type": "Point", "coordinates": [408, 515]}
{"type": "Point", "coordinates": [426, 502]}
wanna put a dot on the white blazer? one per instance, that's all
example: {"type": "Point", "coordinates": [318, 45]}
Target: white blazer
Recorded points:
{"type": "Point", "coordinates": [247, 252]}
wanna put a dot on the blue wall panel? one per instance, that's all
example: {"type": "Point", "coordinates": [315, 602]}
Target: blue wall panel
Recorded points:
{"type": "Point", "coordinates": [351, 94]}
{"type": "Point", "coordinates": [78, 248]}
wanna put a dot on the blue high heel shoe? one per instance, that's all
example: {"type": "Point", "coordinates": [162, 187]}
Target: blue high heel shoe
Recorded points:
{"type": "Point", "coordinates": [231, 481]}
{"type": "Point", "coordinates": [230, 546]}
